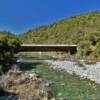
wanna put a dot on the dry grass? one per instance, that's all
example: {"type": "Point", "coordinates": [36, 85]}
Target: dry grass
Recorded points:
{"type": "Point", "coordinates": [26, 88]}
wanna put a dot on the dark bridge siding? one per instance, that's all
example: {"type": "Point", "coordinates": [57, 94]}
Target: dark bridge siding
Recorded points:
{"type": "Point", "coordinates": [36, 48]}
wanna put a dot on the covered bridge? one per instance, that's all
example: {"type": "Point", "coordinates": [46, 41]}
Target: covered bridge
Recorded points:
{"type": "Point", "coordinates": [47, 48]}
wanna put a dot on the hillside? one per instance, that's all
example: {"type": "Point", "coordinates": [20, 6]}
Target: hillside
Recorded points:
{"type": "Point", "coordinates": [6, 34]}
{"type": "Point", "coordinates": [66, 31]}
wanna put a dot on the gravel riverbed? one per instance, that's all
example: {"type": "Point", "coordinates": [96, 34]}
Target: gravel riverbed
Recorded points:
{"type": "Point", "coordinates": [91, 71]}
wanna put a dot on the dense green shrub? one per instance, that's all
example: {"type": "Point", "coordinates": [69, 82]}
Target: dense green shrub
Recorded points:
{"type": "Point", "coordinates": [8, 45]}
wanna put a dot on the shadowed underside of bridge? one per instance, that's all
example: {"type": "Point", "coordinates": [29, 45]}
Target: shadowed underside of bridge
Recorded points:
{"type": "Point", "coordinates": [47, 48]}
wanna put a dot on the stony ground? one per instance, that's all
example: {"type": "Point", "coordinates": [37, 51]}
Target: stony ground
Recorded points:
{"type": "Point", "coordinates": [90, 71]}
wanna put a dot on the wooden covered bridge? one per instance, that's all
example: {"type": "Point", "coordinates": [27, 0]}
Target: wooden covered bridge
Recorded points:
{"type": "Point", "coordinates": [47, 48]}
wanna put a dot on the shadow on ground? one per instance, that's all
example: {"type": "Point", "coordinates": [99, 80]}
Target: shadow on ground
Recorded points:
{"type": "Point", "coordinates": [4, 95]}
{"type": "Point", "coordinates": [46, 57]}
{"type": "Point", "coordinates": [27, 66]}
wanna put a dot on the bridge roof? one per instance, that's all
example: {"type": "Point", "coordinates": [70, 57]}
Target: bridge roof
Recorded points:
{"type": "Point", "coordinates": [44, 45]}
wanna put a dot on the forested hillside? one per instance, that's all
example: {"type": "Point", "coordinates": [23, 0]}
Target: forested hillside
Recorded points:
{"type": "Point", "coordinates": [66, 31]}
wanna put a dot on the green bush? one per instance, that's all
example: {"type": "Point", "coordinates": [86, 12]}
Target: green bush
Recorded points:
{"type": "Point", "coordinates": [8, 45]}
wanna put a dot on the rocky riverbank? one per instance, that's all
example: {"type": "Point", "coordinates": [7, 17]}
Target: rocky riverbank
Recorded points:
{"type": "Point", "coordinates": [90, 71]}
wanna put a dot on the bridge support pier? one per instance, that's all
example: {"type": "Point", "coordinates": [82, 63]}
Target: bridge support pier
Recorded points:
{"type": "Point", "coordinates": [40, 54]}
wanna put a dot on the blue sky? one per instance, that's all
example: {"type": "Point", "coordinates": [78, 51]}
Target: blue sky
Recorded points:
{"type": "Point", "coordinates": [19, 16]}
